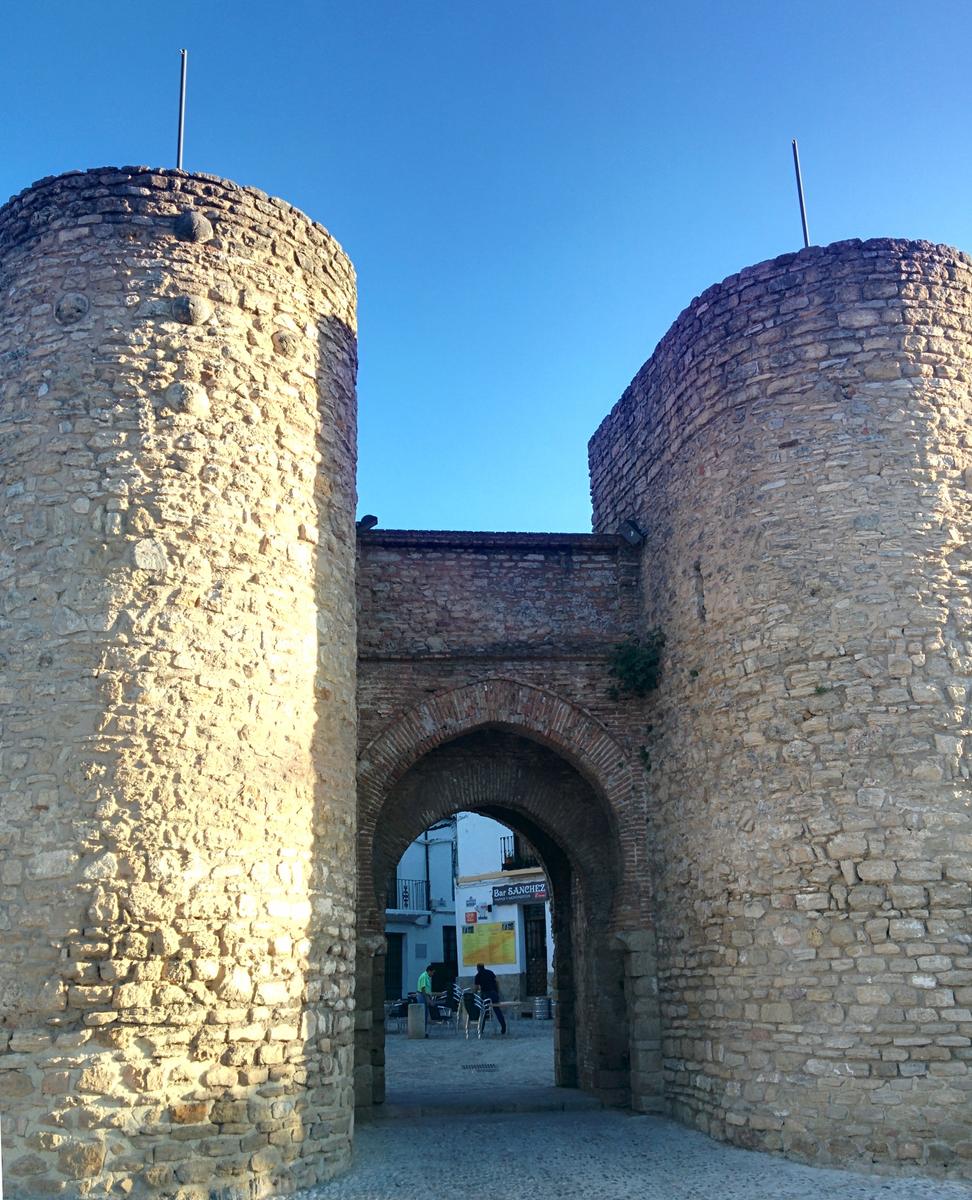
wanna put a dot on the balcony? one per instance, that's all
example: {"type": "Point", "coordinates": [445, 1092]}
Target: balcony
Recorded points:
{"type": "Point", "coordinates": [516, 854]}
{"type": "Point", "coordinates": [408, 898]}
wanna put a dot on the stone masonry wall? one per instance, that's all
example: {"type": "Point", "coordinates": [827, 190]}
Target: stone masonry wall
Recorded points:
{"type": "Point", "coordinates": [178, 720]}
{"type": "Point", "coordinates": [177, 432]}
{"type": "Point", "coordinates": [438, 610]}
{"type": "Point", "coordinates": [799, 451]}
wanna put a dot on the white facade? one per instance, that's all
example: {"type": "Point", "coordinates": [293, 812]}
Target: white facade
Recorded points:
{"type": "Point", "coordinates": [490, 857]}
{"type": "Point", "coordinates": [420, 913]}
{"type": "Point", "coordinates": [441, 909]}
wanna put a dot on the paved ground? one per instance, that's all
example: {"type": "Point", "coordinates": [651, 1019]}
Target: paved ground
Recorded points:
{"type": "Point", "coordinates": [606, 1155]}
{"type": "Point", "coordinates": [426, 1147]}
{"type": "Point", "coordinates": [447, 1073]}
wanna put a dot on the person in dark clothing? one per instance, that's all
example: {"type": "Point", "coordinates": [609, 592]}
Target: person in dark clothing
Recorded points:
{"type": "Point", "coordinates": [488, 988]}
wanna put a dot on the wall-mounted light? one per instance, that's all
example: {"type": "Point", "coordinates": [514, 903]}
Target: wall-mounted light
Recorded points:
{"type": "Point", "coordinates": [631, 533]}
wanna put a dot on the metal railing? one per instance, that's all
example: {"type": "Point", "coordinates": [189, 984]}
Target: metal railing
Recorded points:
{"type": "Point", "coordinates": [408, 895]}
{"type": "Point", "coordinates": [514, 856]}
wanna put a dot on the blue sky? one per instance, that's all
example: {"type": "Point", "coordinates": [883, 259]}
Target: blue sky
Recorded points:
{"type": "Point", "coordinates": [530, 191]}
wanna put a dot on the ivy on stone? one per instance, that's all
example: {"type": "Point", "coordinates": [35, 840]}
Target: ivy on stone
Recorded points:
{"type": "Point", "coordinates": [636, 665]}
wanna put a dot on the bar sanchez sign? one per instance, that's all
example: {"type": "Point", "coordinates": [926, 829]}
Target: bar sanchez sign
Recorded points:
{"type": "Point", "coordinates": [521, 893]}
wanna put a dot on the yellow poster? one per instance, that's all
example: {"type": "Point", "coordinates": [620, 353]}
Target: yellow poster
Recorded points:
{"type": "Point", "coordinates": [489, 942]}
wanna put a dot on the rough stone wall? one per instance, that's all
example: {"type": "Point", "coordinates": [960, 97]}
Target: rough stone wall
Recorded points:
{"type": "Point", "coordinates": [799, 451]}
{"type": "Point", "coordinates": [178, 729]}
{"type": "Point", "coordinates": [177, 709]}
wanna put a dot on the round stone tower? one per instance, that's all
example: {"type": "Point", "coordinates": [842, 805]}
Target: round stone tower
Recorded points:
{"type": "Point", "coordinates": [798, 452]}
{"type": "Point", "coordinates": [177, 647]}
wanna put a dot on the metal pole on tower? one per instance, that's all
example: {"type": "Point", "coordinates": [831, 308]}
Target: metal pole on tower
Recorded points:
{"type": "Point", "coordinates": [182, 118]}
{"type": "Point", "coordinates": [799, 183]}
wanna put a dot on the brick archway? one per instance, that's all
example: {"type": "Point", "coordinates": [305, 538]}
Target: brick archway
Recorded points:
{"type": "Point", "coordinates": [456, 750]}
{"type": "Point", "coordinates": [516, 707]}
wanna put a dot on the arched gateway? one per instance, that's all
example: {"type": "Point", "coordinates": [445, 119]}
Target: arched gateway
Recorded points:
{"type": "Point", "coordinates": [551, 771]}
{"type": "Point", "coordinates": [764, 868]}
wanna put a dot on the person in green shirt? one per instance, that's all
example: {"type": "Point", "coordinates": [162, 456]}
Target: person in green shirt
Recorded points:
{"type": "Point", "coordinates": [425, 991]}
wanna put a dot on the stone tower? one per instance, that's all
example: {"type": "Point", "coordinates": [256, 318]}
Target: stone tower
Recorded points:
{"type": "Point", "coordinates": [177, 640]}
{"type": "Point", "coordinates": [798, 454]}
{"type": "Point", "coordinates": [776, 842]}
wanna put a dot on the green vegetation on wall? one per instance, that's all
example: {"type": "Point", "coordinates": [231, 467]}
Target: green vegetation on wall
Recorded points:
{"type": "Point", "coordinates": [636, 665]}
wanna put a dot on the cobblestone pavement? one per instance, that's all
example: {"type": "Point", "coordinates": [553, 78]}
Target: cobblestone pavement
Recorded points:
{"type": "Point", "coordinates": [605, 1154]}
{"type": "Point", "coordinates": [434, 1139]}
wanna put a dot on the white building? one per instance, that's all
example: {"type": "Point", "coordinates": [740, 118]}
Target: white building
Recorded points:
{"type": "Point", "coordinates": [502, 908]}
{"type": "Point", "coordinates": [420, 920]}
{"type": "Point", "coordinates": [469, 891]}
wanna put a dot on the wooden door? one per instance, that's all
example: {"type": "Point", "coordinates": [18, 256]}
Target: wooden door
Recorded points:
{"type": "Point", "coordinates": [535, 930]}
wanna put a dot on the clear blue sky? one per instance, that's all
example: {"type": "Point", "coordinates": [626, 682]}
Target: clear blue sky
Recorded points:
{"type": "Point", "coordinates": [531, 190]}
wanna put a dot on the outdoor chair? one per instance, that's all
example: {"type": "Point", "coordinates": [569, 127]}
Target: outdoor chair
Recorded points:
{"type": "Point", "coordinates": [455, 1001]}
{"type": "Point", "coordinates": [396, 1015]}
{"type": "Point", "coordinates": [440, 1010]}
{"type": "Point", "coordinates": [476, 1009]}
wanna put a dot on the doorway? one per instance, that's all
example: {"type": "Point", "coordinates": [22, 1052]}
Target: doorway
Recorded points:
{"type": "Point", "coordinates": [535, 944]}
{"type": "Point", "coordinates": [550, 770]}
{"type": "Point", "coordinates": [394, 948]}
{"type": "Point", "coordinates": [450, 956]}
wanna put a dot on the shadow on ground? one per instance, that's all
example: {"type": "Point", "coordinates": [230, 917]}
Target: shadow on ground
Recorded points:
{"type": "Point", "coordinates": [484, 1118]}
{"type": "Point", "coordinates": [603, 1153]}
{"type": "Point", "coordinates": [448, 1073]}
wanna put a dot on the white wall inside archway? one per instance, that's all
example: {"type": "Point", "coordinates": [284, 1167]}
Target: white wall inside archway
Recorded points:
{"type": "Point", "coordinates": [442, 900]}
{"type": "Point", "coordinates": [420, 912]}
{"type": "Point", "coordinates": [494, 860]}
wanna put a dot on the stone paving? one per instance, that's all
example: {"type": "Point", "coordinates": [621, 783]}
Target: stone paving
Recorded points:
{"type": "Point", "coordinates": [448, 1073]}
{"type": "Point", "coordinates": [449, 1131]}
